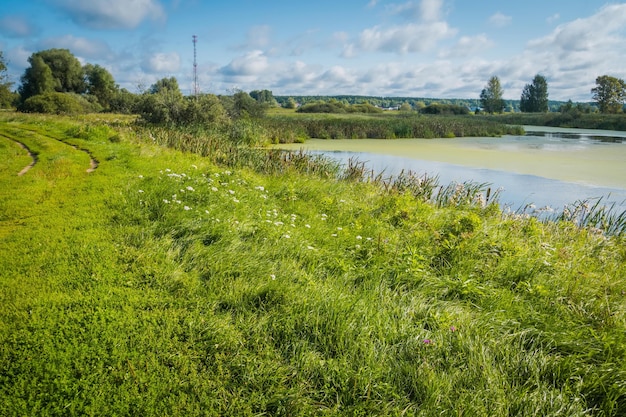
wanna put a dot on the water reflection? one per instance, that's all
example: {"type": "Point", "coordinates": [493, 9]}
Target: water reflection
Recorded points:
{"type": "Point", "coordinates": [583, 138]}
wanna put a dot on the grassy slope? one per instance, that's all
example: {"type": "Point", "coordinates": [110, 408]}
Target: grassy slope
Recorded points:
{"type": "Point", "coordinates": [161, 284]}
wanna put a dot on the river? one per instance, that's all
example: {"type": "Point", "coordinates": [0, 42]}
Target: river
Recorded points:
{"type": "Point", "coordinates": [549, 167]}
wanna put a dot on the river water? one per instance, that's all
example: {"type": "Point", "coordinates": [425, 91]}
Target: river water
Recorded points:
{"type": "Point", "coordinates": [548, 167]}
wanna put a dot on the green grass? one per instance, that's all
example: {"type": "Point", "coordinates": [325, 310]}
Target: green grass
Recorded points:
{"type": "Point", "coordinates": [169, 283]}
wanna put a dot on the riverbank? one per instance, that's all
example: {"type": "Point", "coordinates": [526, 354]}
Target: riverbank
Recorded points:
{"type": "Point", "coordinates": [168, 283]}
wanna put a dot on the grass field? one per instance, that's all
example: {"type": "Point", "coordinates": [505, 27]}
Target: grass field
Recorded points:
{"type": "Point", "coordinates": [169, 283]}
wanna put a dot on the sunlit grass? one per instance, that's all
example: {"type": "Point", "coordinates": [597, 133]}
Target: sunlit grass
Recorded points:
{"type": "Point", "coordinates": [166, 283]}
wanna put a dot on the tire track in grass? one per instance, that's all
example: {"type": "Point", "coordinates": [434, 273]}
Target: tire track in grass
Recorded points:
{"type": "Point", "coordinates": [93, 162]}
{"type": "Point", "coordinates": [32, 154]}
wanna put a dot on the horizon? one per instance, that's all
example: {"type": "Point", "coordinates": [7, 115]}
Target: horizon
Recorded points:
{"type": "Point", "coordinates": [439, 49]}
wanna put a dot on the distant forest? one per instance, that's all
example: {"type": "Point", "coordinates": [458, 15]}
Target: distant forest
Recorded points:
{"type": "Point", "coordinates": [415, 102]}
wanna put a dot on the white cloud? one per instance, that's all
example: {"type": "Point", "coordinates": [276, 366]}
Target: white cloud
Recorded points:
{"type": "Point", "coordinates": [80, 47]}
{"type": "Point", "coordinates": [405, 39]}
{"type": "Point", "coordinates": [16, 27]}
{"type": "Point", "coordinates": [111, 14]}
{"type": "Point", "coordinates": [162, 62]}
{"type": "Point", "coordinates": [246, 68]}
{"type": "Point", "coordinates": [500, 20]}
{"type": "Point", "coordinates": [468, 46]}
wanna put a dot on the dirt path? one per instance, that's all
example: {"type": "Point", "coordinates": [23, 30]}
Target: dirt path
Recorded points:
{"type": "Point", "coordinates": [32, 155]}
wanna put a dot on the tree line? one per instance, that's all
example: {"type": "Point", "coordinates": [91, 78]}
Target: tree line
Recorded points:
{"type": "Point", "coordinates": [609, 95]}
{"type": "Point", "coordinates": [56, 82]}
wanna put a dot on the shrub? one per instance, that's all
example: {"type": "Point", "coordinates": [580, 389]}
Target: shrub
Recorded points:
{"type": "Point", "coordinates": [58, 103]}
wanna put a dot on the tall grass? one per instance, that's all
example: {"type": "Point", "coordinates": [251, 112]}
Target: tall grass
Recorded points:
{"type": "Point", "coordinates": [285, 129]}
{"type": "Point", "coordinates": [164, 283]}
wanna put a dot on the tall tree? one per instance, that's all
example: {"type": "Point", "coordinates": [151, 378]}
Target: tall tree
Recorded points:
{"type": "Point", "coordinates": [163, 103]}
{"type": "Point", "coordinates": [63, 68]}
{"type": "Point", "coordinates": [37, 78]}
{"type": "Point", "coordinates": [100, 83]}
{"type": "Point", "coordinates": [491, 96]}
{"type": "Point", "coordinates": [66, 70]}
{"type": "Point", "coordinates": [5, 84]}
{"type": "Point", "coordinates": [535, 96]}
{"type": "Point", "coordinates": [609, 93]}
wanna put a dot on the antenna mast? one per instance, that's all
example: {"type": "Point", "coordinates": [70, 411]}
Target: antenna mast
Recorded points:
{"type": "Point", "coordinates": [195, 67]}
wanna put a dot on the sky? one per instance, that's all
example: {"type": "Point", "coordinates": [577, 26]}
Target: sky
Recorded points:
{"type": "Point", "coordinates": [389, 48]}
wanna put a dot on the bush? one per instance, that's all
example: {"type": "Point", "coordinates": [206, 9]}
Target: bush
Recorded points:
{"type": "Point", "coordinates": [58, 103]}
{"type": "Point", "coordinates": [438, 108]}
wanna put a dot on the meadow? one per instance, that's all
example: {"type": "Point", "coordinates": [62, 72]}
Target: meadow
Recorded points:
{"type": "Point", "coordinates": [190, 275]}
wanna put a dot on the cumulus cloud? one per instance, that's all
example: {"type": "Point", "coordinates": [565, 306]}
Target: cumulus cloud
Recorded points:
{"type": "Point", "coordinates": [16, 27]}
{"type": "Point", "coordinates": [80, 47]}
{"type": "Point", "coordinates": [596, 41]}
{"type": "Point", "coordinates": [424, 31]}
{"type": "Point", "coordinates": [405, 39]}
{"type": "Point", "coordinates": [161, 62]}
{"type": "Point", "coordinates": [111, 14]}
{"type": "Point", "coordinates": [500, 20]}
{"type": "Point", "coordinates": [246, 68]}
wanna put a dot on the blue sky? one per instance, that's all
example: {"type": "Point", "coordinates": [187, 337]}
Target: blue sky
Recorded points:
{"type": "Point", "coordinates": [419, 48]}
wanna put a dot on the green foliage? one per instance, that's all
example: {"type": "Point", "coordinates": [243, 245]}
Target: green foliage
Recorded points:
{"type": "Point", "coordinates": [37, 78]}
{"type": "Point", "coordinates": [449, 109]}
{"type": "Point", "coordinates": [263, 96]}
{"type": "Point", "coordinates": [491, 96]}
{"type": "Point", "coordinates": [100, 83]}
{"type": "Point", "coordinates": [578, 116]}
{"type": "Point", "coordinates": [58, 103]}
{"type": "Point", "coordinates": [609, 93]}
{"type": "Point", "coordinates": [243, 105]}
{"type": "Point", "coordinates": [384, 126]}
{"type": "Point", "coordinates": [290, 103]}
{"type": "Point", "coordinates": [334, 106]}
{"type": "Point", "coordinates": [535, 96]}
{"type": "Point", "coordinates": [6, 96]}
{"type": "Point", "coordinates": [124, 102]}
{"type": "Point", "coordinates": [52, 70]}
{"type": "Point", "coordinates": [204, 109]}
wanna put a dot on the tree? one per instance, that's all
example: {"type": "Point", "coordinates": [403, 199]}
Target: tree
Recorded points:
{"type": "Point", "coordinates": [6, 97]}
{"type": "Point", "coordinates": [263, 96]}
{"type": "Point", "coordinates": [491, 96]}
{"type": "Point", "coordinates": [163, 103]}
{"type": "Point", "coordinates": [100, 83]}
{"type": "Point", "coordinates": [535, 96]}
{"type": "Point", "coordinates": [64, 73]}
{"type": "Point", "coordinates": [609, 93]}
{"type": "Point", "coordinates": [37, 78]}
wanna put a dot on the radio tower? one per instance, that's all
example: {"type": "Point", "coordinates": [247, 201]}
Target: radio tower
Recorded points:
{"type": "Point", "coordinates": [195, 68]}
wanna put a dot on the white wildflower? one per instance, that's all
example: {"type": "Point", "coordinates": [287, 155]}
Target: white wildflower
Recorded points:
{"type": "Point", "coordinates": [187, 208]}
{"type": "Point", "coordinates": [213, 188]}
{"type": "Point", "coordinates": [190, 188]}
